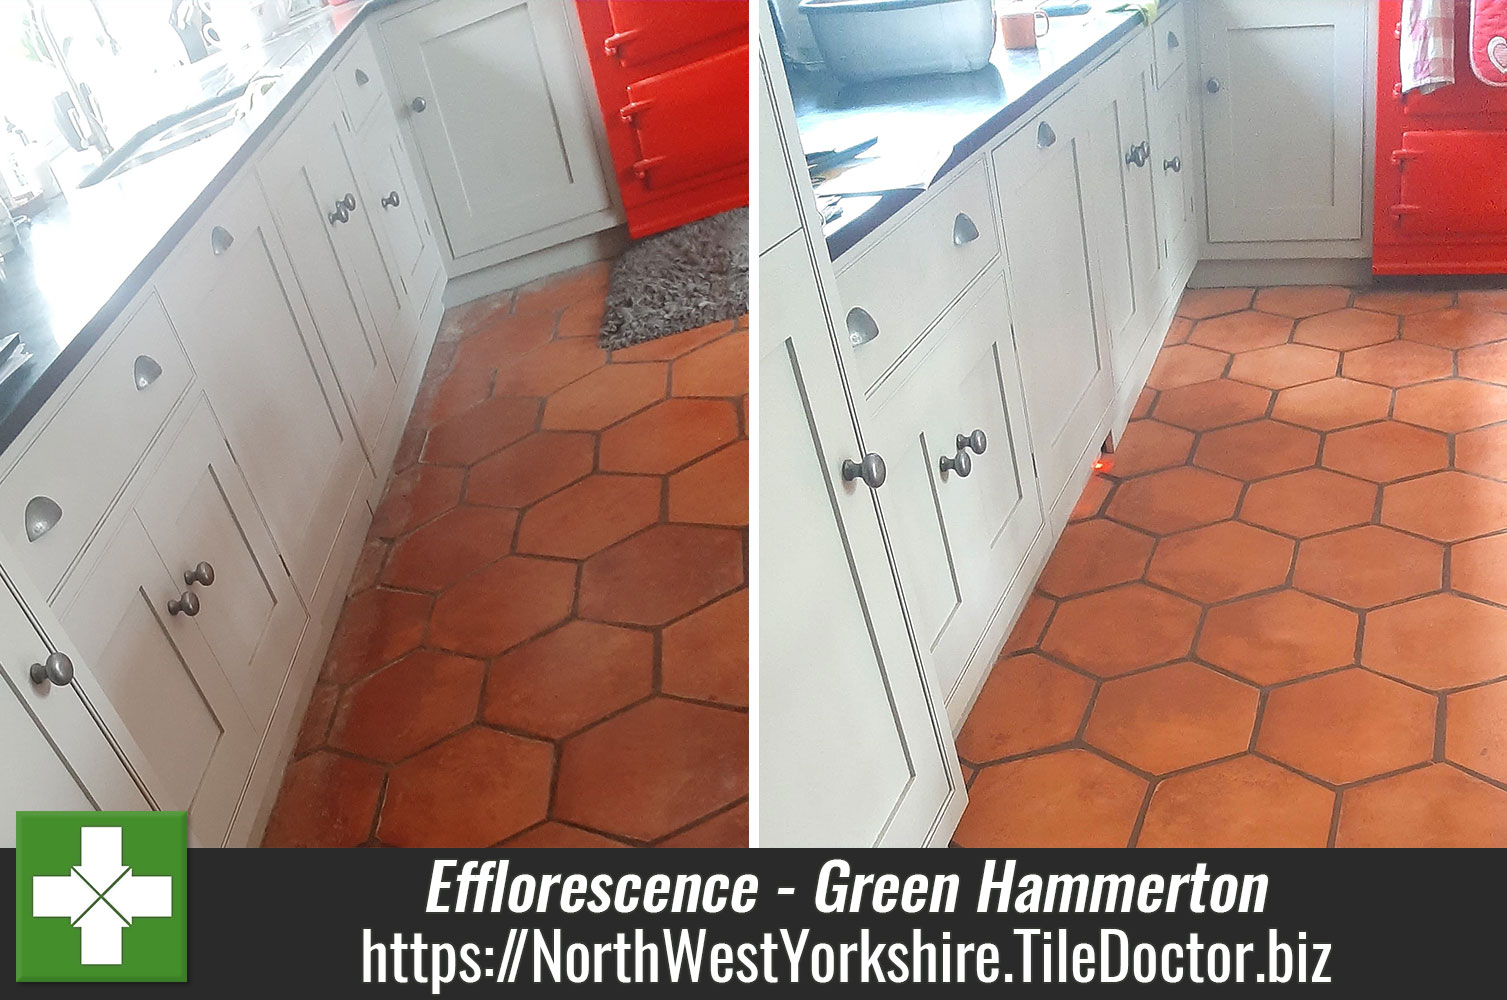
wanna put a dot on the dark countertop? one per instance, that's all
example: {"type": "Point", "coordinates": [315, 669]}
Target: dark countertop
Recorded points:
{"type": "Point", "coordinates": [960, 111]}
{"type": "Point", "coordinates": [89, 252]}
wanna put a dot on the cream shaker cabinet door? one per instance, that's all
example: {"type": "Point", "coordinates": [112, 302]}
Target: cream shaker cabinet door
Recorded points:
{"type": "Point", "coordinates": [231, 294]}
{"type": "Point", "coordinates": [1283, 90]}
{"type": "Point", "coordinates": [1064, 354]}
{"type": "Point", "coordinates": [397, 214]}
{"type": "Point", "coordinates": [1173, 167]}
{"type": "Point", "coordinates": [203, 524]}
{"type": "Point", "coordinates": [501, 114]}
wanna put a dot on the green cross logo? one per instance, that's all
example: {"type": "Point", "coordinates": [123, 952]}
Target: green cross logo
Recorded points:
{"type": "Point", "coordinates": [101, 897]}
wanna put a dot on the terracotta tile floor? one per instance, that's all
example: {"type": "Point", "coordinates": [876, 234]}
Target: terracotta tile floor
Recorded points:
{"type": "Point", "coordinates": [1280, 618]}
{"type": "Point", "coordinates": [546, 643]}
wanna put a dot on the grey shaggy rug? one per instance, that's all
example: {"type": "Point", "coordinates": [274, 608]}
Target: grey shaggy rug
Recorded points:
{"type": "Point", "coordinates": [679, 280]}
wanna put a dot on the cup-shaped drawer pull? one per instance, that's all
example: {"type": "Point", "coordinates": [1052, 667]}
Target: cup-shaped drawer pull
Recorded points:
{"type": "Point", "coordinates": [861, 327]}
{"type": "Point", "coordinates": [220, 240]}
{"type": "Point", "coordinates": [361, 78]}
{"type": "Point", "coordinates": [1045, 137]}
{"type": "Point", "coordinates": [145, 372]}
{"type": "Point", "coordinates": [1173, 42]}
{"type": "Point", "coordinates": [42, 515]}
{"type": "Point", "coordinates": [964, 231]}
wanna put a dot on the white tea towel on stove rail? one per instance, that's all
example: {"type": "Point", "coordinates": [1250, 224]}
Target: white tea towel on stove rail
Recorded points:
{"type": "Point", "coordinates": [1428, 45]}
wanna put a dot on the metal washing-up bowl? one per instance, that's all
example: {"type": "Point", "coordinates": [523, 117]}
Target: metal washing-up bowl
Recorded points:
{"type": "Point", "coordinates": [873, 39]}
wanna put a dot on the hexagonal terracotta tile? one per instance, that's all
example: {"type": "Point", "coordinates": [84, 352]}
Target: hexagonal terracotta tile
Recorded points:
{"type": "Point", "coordinates": [1369, 566]}
{"type": "Point", "coordinates": [1310, 502]}
{"type": "Point", "coordinates": [1479, 567]}
{"type": "Point", "coordinates": [503, 340]}
{"type": "Point", "coordinates": [1398, 363]}
{"type": "Point", "coordinates": [1402, 303]}
{"type": "Point", "coordinates": [1257, 450]}
{"type": "Point", "coordinates": [1438, 642]}
{"type": "Point", "coordinates": [1278, 637]}
{"type": "Point", "coordinates": [316, 720]}
{"type": "Point", "coordinates": [1178, 332]}
{"type": "Point", "coordinates": [552, 834]}
{"type": "Point", "coordinates": [1091, 500]}
{"type": "Point", "coordinates": [661, 574]}
{"type": "Point", "coordinates": [461, 389]}
{"type": "Point", "coordinates": [1221, 561]}
{"type": "Point", "coordinates": [483, 429]}
{"type": "Point", "coordinates": [1185, 364]}
{"type": "Point", "coordinates": [1092, 555]}
{"type": "Point", "coordinates": [705, 655]}
{"type": "Point", "coordinates": [472, 790]}
{"type": "Point", "coordinates": [1483, 298]}
{"type": "Point", "coordinates": [531, 470]}
{"type": "Point", "coordinates": [1245, 802]}
{"type": "Point", "coordinates": [1200, 303]}
{"type": "Point", "coordinates": [1333, 403]}
{"type": "Point", "coordinates": [1487, 362]}
{"type": "Point", "coordinates": [1284, 366]}
{"type": "Point", "coordinates": [1028, 703]}
{"type": "Point", "coordinates": [726, 829]}
{"type": "Point", "coordinates": [1455, 405]}
{"type": "Point", "coordinates": [417, 495]}
{"type": "Point", "coordinates": [668, 435]}
{"type": "Point", "coordinates": [1242, 331]}
{"type": "Point", "coordinates": [554, 292]}
{"type": "Point", "coordinates": [590, 515]}
{"type": "Point", "coordinates": [502, 605]}
{"type": "Point", "coordinates": [1070, 798]}
{"type": "Point", "coordinates": [1483, 451]}
{"type": "Point", "coordinates": [1455, 328]}
{"type": "Point", "coordinates": [604, 397]}
{"type": "Point", "coordinates": [1346, 330]}
{"type": "Point", "coordinates": [1302, 300]}
{"type": "Point", "coordinates": [1175, 500]}
{"type": "Point", "coordinates": [1435, 806]}
{"type": "Point", "coordinates": [1148, 445]}
{"type": "Point", "coordinates": [714, 490]}
{"type": "Point", "coordinates": [1172, 717]}
{"type": "Point", "coordinates": [1116, 631]}
{"type": "Point", "coordinates": [326, 800]}
{"type": "Point", "coordinates": [451, 547]}
{"type": "Point", "coordinates": [1446, 506]}
{"type": "Point", "coordinates": [716, 369]}
{"type": "Point", "coordinates": [403, 708]}
{"type": "Point", "coordinates": [1386, 451]}
{"type": "Point", "coordinates": [1207, 405]}
{"type": "Point", "coordinates": [1031, 624]}
{"type": "Point", "coordinates": [1346, 726]}
{"type": "Point", "coordinates": [549, 368]}
{"type": "Point", "coordinates": [653, 769]}
{"type": "Point", "coordinates": [567, 679]}
{"type": "Point", "coordinates": [377, 627]}
{"type": "Point", "coordinates": [1475, 730]}
{"type": "Point", "coordinates": [581, 319]}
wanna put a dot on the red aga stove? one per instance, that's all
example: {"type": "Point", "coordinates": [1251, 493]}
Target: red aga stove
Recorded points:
{"type": "Point", "coordinates": [1441, 158]}
{"type": "Point", "coordinates": [672, 80]}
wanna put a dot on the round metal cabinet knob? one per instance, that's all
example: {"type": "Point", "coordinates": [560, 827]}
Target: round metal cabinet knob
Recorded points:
{"type": "Point", "coordinates": [871, 470]}
{"type": "Point", "coordinates": [1213, 86]}
{"type": "Point", "coordinates": [340, 214]}
{"type": "Point", "coordinates": [391, 200]}
{"type": "Point", "coordinates": [57, 668]}
{"type": "Point", "coordinates": [419, 105]}
{"type": "Point", "coordinates": [961, 464]}
{"type": "Point", "coordinates": [976, 441]}
{"type": "Point", "coordinates": [1175, 164]}
{"type": "Point", "coordinates": [349, 201]}
{"type": "Point", "coordinates": [203, 573]}
{"type": "Point", "coordinates": [187, 604]}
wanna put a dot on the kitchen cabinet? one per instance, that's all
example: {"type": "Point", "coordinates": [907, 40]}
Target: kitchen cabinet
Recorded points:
{"type": "Point", "coordinates": [961, 493]}
{"type": "Point", "coordinates": [58, 756]}
{"type": "Point", "coordinates": [502, 122]}
{"type": "Point", "coordinates": [230, 293]}
{"type": "Point", "coordinates": [1122, 159]}
{"type": "Point", "coordinates": [1283, 95]}
{"type": "Point", "coordinates": [332, 248]}
{"type": "Point", "coordinates": [1063, 346]}
{"type": "Point", "coordinates": [854, 747]}
{"type": "Point", "coordinates": [404, 234]}
{"type": "Point", "coordinates": [1174, 172]}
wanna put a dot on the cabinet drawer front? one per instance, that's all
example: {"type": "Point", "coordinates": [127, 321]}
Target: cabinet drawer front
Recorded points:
{"type": "Point", "coordinates": [360, 80]}
{"type": "Point", "coordinates": [900, 286]}
{"type": "Point", "coordinates": [84, 455]}
{"type": "Point", "coordinates": [1169, 37]}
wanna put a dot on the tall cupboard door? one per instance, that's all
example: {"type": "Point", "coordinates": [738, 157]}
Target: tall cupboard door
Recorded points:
{"type": "Point", "coordinates": [398, 215]}
{"type": "Point", "coordinates": [502, 119]}
{"type": "Point", "coordinates": [1172, 172]}
{"type": "Point", "coordinates": [1283, 95]}
{"type": "Point", "coordinates": [961, 496]}
{"type": "Point", "coordinates": [854, 746]}
{"type": "Point", "coordinates": [231, 294]}
{"type": "Point", "coordinates": [1064, 352]}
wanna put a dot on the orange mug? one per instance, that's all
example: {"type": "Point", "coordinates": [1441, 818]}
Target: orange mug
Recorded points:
{"type": "Point", "coordinates": [1018, 26]}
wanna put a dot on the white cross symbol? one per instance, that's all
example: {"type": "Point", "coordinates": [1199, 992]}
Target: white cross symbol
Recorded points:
{"type": "Point", "coordinates": [100, 896]}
